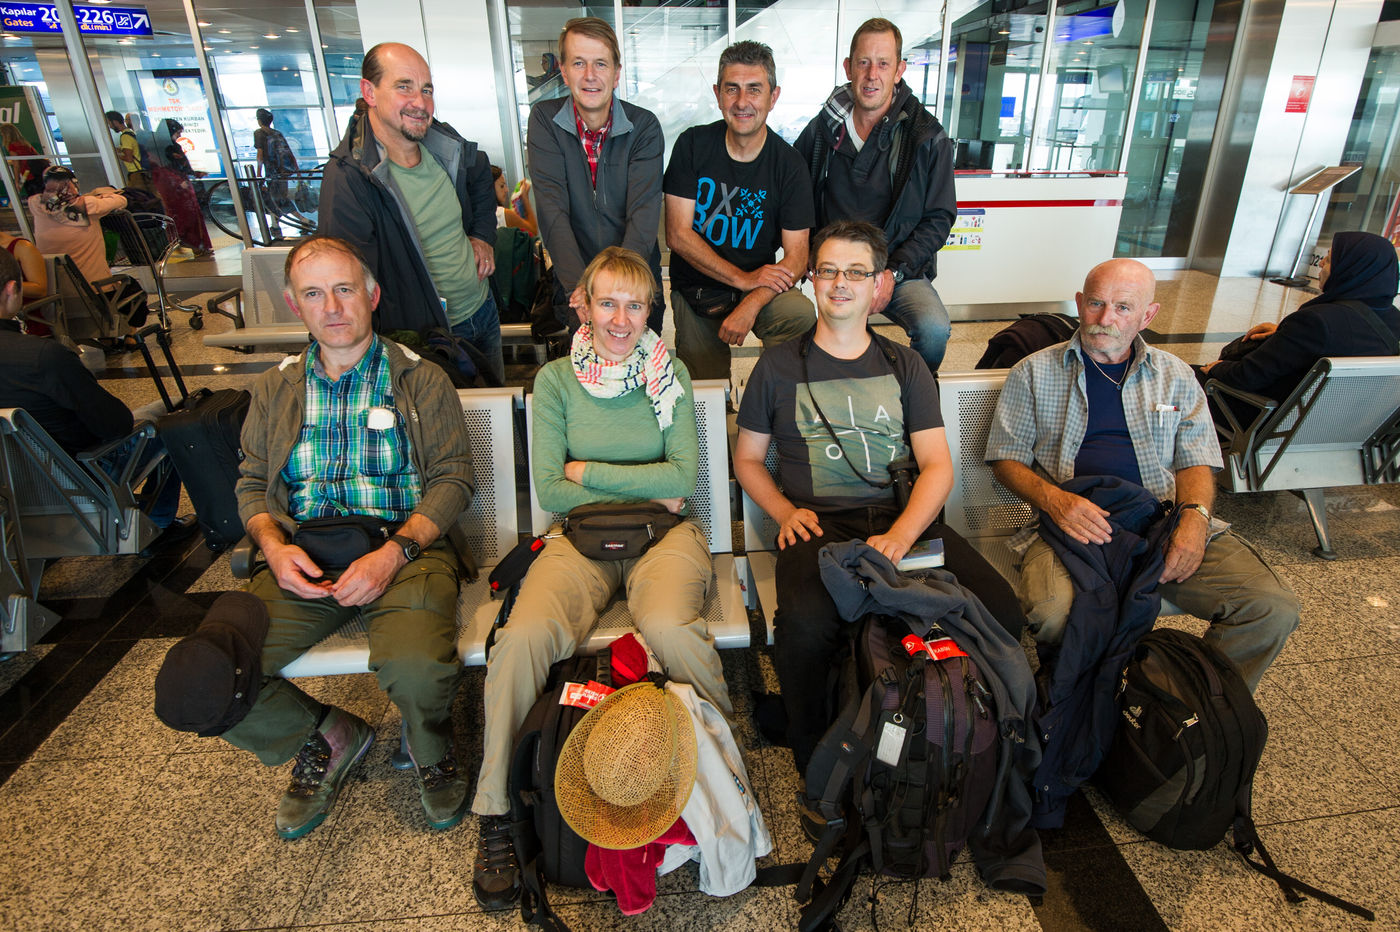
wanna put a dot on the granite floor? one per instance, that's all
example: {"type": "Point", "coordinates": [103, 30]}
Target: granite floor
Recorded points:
{"type": "Point", "coordinates": [113, 821]}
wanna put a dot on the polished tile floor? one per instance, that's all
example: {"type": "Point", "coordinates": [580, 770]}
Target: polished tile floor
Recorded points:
{"type": "Point", "coordinates": [112, 821]}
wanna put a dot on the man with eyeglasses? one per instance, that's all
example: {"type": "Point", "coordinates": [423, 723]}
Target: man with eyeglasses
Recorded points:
{"type": "Point", "coordinates": [877, 154]}
{"type": "Point", "coordinates": [735, 193]}
{"type": "Point", "coordinates": [845, 406]}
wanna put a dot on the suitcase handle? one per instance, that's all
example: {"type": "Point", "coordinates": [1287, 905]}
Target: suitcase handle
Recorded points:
{"type": "Point", "coordinates": [163, 341]}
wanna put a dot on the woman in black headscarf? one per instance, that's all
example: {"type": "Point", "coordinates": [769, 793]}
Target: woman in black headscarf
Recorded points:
{"type": "Point", "coordinates": [1354, 316]}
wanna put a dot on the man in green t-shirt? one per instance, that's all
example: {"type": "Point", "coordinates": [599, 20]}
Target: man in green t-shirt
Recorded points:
{"type": "Point", "coordinates": [420, 203]}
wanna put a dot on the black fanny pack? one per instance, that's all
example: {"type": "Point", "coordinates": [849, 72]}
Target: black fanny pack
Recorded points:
{"type": "Point", "coordinates": [334, 543]}
{"type": "Point", "coordinates": [709, 301]}
{"type": "Point", "coordinates": [618, 532]}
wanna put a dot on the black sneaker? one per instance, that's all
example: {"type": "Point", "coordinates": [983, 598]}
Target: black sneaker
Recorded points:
{"type": "Point", "coordinates": [496, 874]}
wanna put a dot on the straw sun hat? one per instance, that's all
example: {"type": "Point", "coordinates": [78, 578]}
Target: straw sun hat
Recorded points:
{"type": "Point", "coordinates": [626, 771]}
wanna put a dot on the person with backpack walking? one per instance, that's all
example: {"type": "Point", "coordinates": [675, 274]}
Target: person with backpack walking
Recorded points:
{"type": "Point", "coordinates": [841, 403]}
{"type": "Point", "coordinates": [275, 159]}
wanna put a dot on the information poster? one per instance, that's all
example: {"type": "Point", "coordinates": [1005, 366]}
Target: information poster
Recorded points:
{"type": "Point", "coordinates": [179, 95]}
{"type": "Point", "coordinates": [966, 234]}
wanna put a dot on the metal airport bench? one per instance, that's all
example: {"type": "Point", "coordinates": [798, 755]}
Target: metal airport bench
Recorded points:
{"type": "Point", "coordinates": [55, 505]}
{"type": "Point", "coordinates": [1340, 426]}
{"type": "Point", "coordinates": [259, 313]}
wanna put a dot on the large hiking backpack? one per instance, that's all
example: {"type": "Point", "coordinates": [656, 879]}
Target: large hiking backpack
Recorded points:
{"type": "Point", "coordinates": [549, 851]}
{"type": "Point", "coordinates": [907, 768]}
{"type": "Point", "coordinates": [1182, 762]}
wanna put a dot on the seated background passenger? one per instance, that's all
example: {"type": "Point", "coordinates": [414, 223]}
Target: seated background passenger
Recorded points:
{"type": "Point", "coordinates": [1360, 269]}
{"type": "Point", "coordinates": [614, 422]}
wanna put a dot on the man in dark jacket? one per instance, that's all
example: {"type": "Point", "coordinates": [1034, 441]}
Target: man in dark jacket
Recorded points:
{"type": "Point", "coordinates": [595, 163]}
{"type": "Point", "coordinates": [876, 154]}
{"type": "Point", "coordinates": [419, 201]}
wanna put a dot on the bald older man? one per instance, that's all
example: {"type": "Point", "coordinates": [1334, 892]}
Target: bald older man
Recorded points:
{"type": "Point", "coordinates": [419, 202]}
{"type": "Point", "coordinates": [1107, 404]}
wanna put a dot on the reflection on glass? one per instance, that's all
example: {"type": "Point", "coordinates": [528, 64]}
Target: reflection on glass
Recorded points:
{"type": "Point", "coordinates": [1092, 64]}
{"type": "Point", "coordinates": [993, 76]}
{"type": "Point", "coordinates": [534, 49]}
{"type": "Point", "coordinates": [670, 56]}
{"type": "Point", "coordinates": [802, 35]}
{"type": "Point", "coordinates": [343, 50]}
{"type": "Point", "coordinates": [920, 23]}
{"type": "Point", "coordinates": [1370, 199]}
{"type": "Point", "coordinates": [1159, 208]}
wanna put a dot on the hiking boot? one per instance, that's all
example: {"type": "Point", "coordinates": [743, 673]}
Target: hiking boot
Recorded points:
{"type": "Point", "coordinates": [496, 874]}
{"type": "Point", "coordinates": [443, 792]}
{"type": "Point", "coordinates": [321, 766]}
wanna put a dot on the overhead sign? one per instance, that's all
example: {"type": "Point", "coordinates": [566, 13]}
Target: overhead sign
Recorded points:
{"type": "Point", "coordinates": [92, 20]}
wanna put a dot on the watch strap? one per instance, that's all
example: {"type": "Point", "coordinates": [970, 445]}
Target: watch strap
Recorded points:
{"type": "Point", "coordinates": [1198, 507]}
{"type": "Point", "coordinates": [411, 548]}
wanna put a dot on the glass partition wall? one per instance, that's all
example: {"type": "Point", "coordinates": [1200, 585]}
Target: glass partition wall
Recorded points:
{"type": "Point", "coordinates": [1024, 88]}
{"type": "Point", "coordinates": [1020, 85]}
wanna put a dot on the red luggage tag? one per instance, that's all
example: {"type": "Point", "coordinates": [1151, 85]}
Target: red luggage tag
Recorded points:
{"type": "Point", "coordinates": [944, 649]}
{"type": "Point", "coordinates": [584, 695]}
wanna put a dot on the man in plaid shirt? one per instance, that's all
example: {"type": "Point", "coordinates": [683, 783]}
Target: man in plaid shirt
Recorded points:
{"type": "Point", "coordinates": [595, 167]}
{"type": "Point", "coordinates": [355, 425]}
{"type": "Point", "coordinates": [1107, 404]}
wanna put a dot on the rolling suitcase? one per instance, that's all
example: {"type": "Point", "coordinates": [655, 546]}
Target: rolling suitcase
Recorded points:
{"type": "Point", "coordinates": [201, 435]}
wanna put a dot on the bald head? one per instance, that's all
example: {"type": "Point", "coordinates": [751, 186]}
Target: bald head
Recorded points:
{"type": "Point", "coordinates": [1114, 307]}
{"type": "Point", "coordinates": [398, 87]}
{"type": "Point", "coordinates": [1125, 271]}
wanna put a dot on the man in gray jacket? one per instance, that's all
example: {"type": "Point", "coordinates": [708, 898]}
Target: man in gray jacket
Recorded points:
{"type": "Point", "coordinates": [595, 163]}
{"type": "Point", "coordinates": [355, 425]}
{"type": "Point", "coordinates": [419, 202]}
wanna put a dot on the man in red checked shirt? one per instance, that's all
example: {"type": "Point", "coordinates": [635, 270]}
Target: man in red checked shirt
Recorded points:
{"type": "Point", "coordinates": [595, 163]}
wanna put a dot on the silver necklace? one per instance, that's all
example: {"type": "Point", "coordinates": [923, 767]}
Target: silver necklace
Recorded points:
{"type": "Point", "coordinates": [1117, 383]}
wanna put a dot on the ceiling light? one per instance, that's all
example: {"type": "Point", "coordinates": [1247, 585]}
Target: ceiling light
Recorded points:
{"type": "Point", "coordinates": [291, 29]}
{"type": "Point", "coordinates": [254, 46]}
{"type": "Point", "coordinates": [225, 32]}
{"type": "Point", "coordinates": [119, 41]}
{"type": "Point", "coordinates": [155, 55]}
{"type": "Point", "coordinates": [200, 22]}
{"type": "Point", "coordinates": [271, 35]}
{"type": "Point", "coordinates": [209, 48]}
{"type": "Point", "coordinates": [1003, 32]}
{"type": "Point", "coordinates": [284, 67]}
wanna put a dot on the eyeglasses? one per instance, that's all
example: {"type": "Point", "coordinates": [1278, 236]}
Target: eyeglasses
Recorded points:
{"type": "Point", "coordinates": [828, 273]}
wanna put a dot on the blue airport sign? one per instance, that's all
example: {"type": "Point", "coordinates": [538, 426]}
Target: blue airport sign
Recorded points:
{"type": "Point", "coordinates": [92, 20]}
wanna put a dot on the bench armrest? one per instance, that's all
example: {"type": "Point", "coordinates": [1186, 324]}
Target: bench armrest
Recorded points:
{"type": "Point", "coordinates": [1236, 433]}
{"type": "Point", "coordinates": [243, 557]}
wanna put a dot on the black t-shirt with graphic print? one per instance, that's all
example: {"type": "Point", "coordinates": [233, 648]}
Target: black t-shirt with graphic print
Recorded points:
{"type": "Point", "coordinates": [865, 406]}
{"type": "Point", "coordinates": [741, 208]}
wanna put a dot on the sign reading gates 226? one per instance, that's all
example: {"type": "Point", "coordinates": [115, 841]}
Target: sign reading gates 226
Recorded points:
{"type": "Point", "coordinates": [92, 20]}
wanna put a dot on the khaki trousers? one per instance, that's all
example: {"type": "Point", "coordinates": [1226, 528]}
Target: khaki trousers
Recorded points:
{"type": "Point", "coordinates": [560, 599]}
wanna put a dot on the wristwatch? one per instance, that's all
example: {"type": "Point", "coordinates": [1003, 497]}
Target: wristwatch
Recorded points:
{"type": "Point", "coordinates": [412, 550]}
{"type": "Point", "coordinates": [1196, 506]}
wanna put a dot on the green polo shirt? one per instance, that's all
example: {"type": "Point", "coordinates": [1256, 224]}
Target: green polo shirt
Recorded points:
{"type": "Point", "coordinates": [437, 215]}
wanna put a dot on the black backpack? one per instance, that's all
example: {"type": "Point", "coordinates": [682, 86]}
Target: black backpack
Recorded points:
{"type": "Point", "coordinates": [1182, 762]}
{"type": "Point", "coordinates": [907, 768]}
{"type": "Point", "coordinates": [548, 850]}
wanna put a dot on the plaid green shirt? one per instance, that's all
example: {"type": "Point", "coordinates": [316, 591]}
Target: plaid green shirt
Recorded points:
{"type": "Point", "coordinates": [353, 455]}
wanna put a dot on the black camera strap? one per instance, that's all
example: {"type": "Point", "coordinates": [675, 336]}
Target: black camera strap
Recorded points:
{"type": "Point", "coordinates": [887, 350]}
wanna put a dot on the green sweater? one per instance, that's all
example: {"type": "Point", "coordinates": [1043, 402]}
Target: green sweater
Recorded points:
{"type": "Point", "coordinates": [628, 457]}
